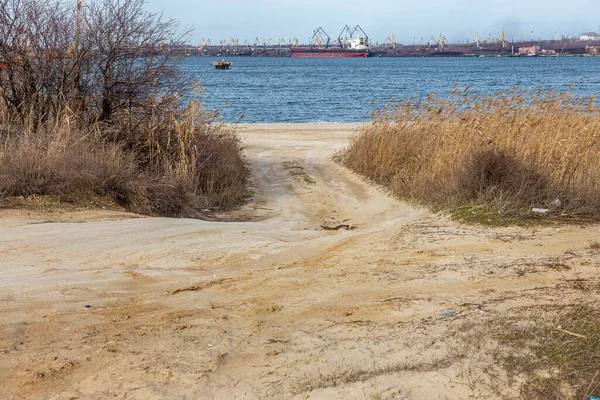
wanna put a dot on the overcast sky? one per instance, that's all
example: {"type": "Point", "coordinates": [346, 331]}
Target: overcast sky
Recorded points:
{"type": "Point", "coordinates": [408, 20]}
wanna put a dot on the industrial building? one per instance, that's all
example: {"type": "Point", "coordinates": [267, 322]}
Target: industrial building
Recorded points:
{"type": "Point", "coordinates": [589, 37]}
{"type": "Point", "coordinates": [529, 50]}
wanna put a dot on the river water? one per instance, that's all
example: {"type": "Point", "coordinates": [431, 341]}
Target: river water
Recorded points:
{"type": "Point", "coordinates": [348, 90]}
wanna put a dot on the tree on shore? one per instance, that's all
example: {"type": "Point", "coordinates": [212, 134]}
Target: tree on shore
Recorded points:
{"type": "Point", "coordinates": [100, 73]}
{"type": "Point", "coordinates": [100, 57]}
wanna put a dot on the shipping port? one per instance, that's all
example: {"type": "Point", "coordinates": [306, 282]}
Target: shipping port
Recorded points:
{"type": "Point", "coordinates": [354, 42]}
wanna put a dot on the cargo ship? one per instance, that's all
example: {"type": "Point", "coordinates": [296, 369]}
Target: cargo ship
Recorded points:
{"type": "Point", "coordinates": [349, 45]}
{"type": "Point", "coordinates": [329, 52]}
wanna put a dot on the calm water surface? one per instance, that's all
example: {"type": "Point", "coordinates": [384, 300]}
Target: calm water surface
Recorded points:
{"type": "Point", "coordinates": [348, 90]}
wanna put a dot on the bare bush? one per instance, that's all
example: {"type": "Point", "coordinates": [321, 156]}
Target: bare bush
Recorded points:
{"type": "Point", "coordinates": [92, 101]}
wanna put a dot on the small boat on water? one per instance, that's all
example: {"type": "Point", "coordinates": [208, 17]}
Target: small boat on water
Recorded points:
{"type": "Point", "coordinates": [221, 64]}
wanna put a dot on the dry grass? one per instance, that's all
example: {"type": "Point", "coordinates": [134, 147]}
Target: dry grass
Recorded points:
{"type": "Point", "coordinates": [558, 358]}
{"type": "Point", "coordinates": [33, 165]}
{"type": "Point", "coordinates": [177, 163]}
{"type": "Point", "coordinates": [348, 375]}
{"type": "Point", "coordinates": [91, 105]}
{"type": "Point", "coordinates": [539, 352]}
{"type": "Point", "coordinates": [498, 156]}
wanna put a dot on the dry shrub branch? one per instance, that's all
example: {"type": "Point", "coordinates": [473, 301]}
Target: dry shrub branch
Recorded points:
{"type": "Point", "coordinates": [92, 104]}
{"type": "Point", "coordinates": [503, 154]}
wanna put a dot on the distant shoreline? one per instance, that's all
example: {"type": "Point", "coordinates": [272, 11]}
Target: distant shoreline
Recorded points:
{"type": "Point", "coordinates": [551, 48]}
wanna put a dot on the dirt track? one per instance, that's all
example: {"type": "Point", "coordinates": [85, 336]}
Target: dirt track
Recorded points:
{"type": "Point", "coordinates": [97, 305]}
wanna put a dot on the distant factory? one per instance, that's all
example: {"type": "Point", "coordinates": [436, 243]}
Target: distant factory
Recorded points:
{"type": "Point", "coordinates": [590, 37]}
{"type": "Point", "coordinates": [354, 42]}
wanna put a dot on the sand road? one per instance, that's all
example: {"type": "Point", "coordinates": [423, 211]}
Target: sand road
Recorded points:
{"type": "Point", "coordinates": [264, 303]}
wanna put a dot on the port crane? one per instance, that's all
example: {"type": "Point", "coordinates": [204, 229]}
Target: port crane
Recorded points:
{"type": "Point", "coordinates": [318, 43]}
{"type": "Point", "coordinates": [202, 45]}
{"type": "Point", "coordinates": [268, 42]}
{"type": "Point", "coordinates": [390, 41]}
{"type": "Point", "coordinates": [432, 40]}
{"type": "Point", "coordinates": [563, 48]}
{"type": "Point", "coordinates": [441, 41]}
{"type": "Point", "coordinates": [234, 43]}
{"type": "Point", "coordinates": [477, 42]}
{"type": "Point", "coordinates": [504, 42]}
{"type": "Point", "coordinates": [293, 42]}
{"type": "Point", "coordinates": [246, 44]}
{"type": "Point", "coordinates": [349, 33]}
{"type": "Point", "coordinates": [420, 45]}
{"type": "Point", "coordinates": [320, 38]}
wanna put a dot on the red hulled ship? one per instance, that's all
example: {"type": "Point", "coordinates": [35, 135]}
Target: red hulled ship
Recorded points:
{"type": "Point", "coordinates": [330, 52]}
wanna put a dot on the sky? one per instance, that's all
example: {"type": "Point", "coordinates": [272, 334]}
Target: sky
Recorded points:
{"type": "Point", "coordinates": [407, 20]}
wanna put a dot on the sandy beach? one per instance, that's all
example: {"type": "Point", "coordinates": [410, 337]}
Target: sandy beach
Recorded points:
{"type": "Point", "coordinates": [263, 302]}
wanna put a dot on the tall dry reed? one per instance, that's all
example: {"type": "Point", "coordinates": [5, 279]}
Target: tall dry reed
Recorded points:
{"type": "Point", "coordinates": [91, 105]}
{"type": "Point", "coordinates": [177, 162]}
{"type": "Point", "coordinates": [509, 152]}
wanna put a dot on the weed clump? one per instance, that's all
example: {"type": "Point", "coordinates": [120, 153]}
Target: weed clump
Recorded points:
{"type": "Point", "coordinates": [178, 173]}
{"type": "Point", "coordinates": [516, 154]}
{"type": "Point", "coordinates": [560, 359]}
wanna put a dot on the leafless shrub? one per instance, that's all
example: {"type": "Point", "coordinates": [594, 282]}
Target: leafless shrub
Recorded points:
{"type": "Point", "coordinates": [92, 101]}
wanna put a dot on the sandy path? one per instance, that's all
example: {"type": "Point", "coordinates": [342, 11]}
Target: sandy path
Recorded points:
{"type": "Point", "coordinates": [96, 305]}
